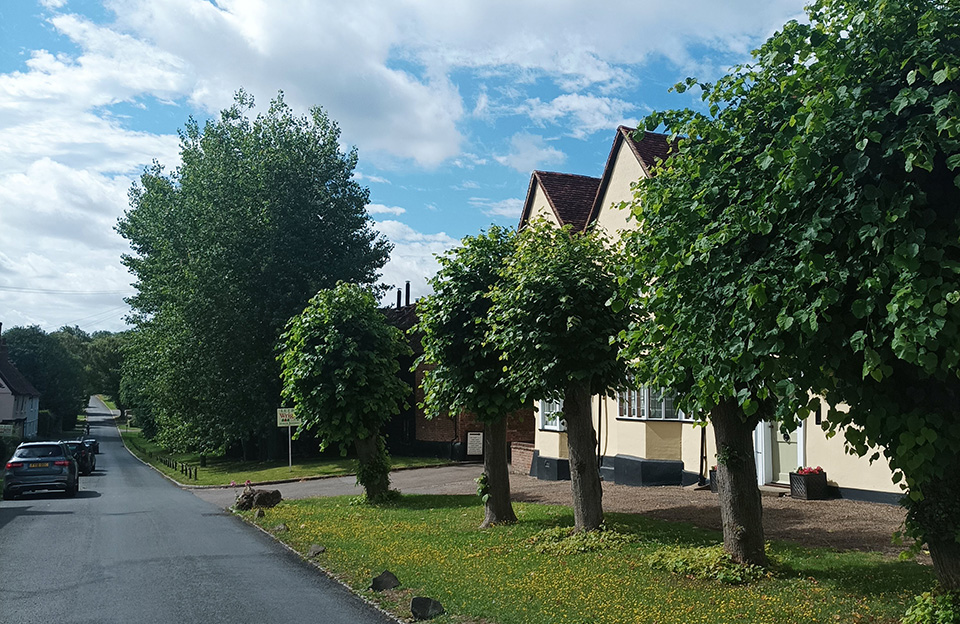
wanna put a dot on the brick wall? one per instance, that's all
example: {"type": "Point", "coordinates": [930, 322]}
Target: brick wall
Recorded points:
{"type": "Point", "coordinates": [522, 453]}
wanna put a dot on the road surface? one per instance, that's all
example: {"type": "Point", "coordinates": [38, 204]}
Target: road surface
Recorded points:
{"type": "Point", "coordinates": [132, 547]}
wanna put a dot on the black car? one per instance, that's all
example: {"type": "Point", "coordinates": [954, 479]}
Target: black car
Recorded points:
{"type": "Point", "coordinates": [92, 443]}
{"type": "Point", "coordinates": [86, 460]}
{"type": "Point", "coordinates": [40, 466]}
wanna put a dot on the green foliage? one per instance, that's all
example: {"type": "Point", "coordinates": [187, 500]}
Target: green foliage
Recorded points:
{"type": "Point", "coordinates": [339, 365]}
{"type": "Point", "coordinates": [466, 370]}
{"type": "Point", "coordinates": [551, 317]}
{"type": "Point", "coordinates": [562, 541]}
{"type": "Point", "coordinates": [811, 221]}
{"type": "Point", "coordinates": [706, 563]}
{"type": "Point", "coordinates": [261, 215]}
{"type": "Point", "coordinates": [56, 372]}
{"type": "Point", "coordinates": [934, 608]}
{"type": "Point", "coordinates": [483, 487]}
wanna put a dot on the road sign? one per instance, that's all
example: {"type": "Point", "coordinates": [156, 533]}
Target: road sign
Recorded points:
{"type": "Point", "coordinates": [285, 418]}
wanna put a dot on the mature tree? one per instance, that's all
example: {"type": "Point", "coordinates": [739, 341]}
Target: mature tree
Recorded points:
{"type": "Point", "coordinates": [340, 367]}
{"type": "Point", "coordinates": [831, 163]}
{"type": "Point", "coordinates": [467, 372]}
{"type": "Point", "coordinates": [261, 215]}
{"type": "Point", "coordinates": [552, 320]}
{"type": "Point", "coordinates": [56, 373]}
{"type": "Point", "coordinates": [104, 363]}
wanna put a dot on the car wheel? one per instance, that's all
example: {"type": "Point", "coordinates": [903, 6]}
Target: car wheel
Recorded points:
{"type": "Point", "coordinates": [72, 490]}
{"type": "Point", "coordinates": [8, 494]}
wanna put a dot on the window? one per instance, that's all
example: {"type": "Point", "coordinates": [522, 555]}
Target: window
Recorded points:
{"type": "Point", "coordinates": [649, 404]}
{"type": "Point", "coordinates": [551, 416]}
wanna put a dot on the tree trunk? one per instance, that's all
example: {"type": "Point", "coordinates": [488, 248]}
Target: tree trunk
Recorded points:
{"type": "Point", "coordinates": [946, 562]}
{"type": "Point", "coordinates": [741, 512]}
{"type": "Point", "coordinates": [937, 515]}
{"type": "Point", "coordinates": [497, 509]}
{"type": "Point", "coordinates": [373, 470]}
{"type": "Point", "coordinates": [581, 446]}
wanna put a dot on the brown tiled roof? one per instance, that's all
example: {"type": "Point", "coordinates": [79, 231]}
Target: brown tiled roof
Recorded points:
{"type": "Point", "coordinates": [570, 196]}
{"type": "Point", "coordinates": [652, 148]}
{"type": "Point", "coordinates": [13, 379]}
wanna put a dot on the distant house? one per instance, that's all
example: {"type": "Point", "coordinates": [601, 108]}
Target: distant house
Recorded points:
{"type": "Point", "coordinates": [449, 437]}
{"type": "Point", "coordinates": [643, 439]}
{"type": "Point", "coordinates": [19, 400]}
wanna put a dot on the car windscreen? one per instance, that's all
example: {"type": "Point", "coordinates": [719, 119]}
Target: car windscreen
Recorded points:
{"type": "Point", "coordinates": [73, 446]}
{"type": "Point", "coordinates": [46, 450]}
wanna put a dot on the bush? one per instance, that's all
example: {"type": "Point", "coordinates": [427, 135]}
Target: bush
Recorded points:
{"type": "Point", "coordinates": [705, 562]}
{"type": "Point", "coordinates": [934, 608]}
{"type": "Point", "coordinates": [564, 541]}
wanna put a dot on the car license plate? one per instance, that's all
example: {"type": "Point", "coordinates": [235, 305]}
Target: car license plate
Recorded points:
{"type": "Point", "coordinates": [40, 465]}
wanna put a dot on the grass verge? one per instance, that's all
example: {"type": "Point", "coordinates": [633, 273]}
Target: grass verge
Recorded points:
{"type": "Point", "coordinates": [497, 575]}
{"type": "Point", "coordinates": [221, 471]}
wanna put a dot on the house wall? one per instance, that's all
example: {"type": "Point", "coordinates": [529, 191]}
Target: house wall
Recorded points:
{"type": "Point", "coordinates": [540, 208]}
{"type": "Point", "coordinates": [6, 403]}
{"type": "Point", "coordinates": [626, 171]}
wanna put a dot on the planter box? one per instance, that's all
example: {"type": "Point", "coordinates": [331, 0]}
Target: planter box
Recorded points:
{"type": "Point", "coordinates": [714, 484]}
{"type": "Point", "coordinates": [808, 486]}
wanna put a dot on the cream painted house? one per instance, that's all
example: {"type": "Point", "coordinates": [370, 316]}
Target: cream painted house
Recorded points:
{"type": "Point", "coordinates": [643, 439]}
{"type": "Point", "coordinates": [19, 401]}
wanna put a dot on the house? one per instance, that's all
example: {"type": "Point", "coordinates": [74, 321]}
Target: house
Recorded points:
{"type": "Point", "coordinates": [19, 400]}
{"type": "Point", "coordinates": [643, 439]}
{"type": "Point", "coordinates": [412, 433]}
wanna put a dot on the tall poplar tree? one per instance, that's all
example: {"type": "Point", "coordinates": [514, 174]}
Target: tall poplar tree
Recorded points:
{"type": "Point", "coordinates": [261, 214]}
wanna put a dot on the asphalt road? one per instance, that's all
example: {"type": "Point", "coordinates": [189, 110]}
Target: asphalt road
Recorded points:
{"type": "Point", "coordinates": [132, 547]}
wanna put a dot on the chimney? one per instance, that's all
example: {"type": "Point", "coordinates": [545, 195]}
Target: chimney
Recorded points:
{"type": "Point", "coordinates": [408, 292]}
{"type": "Point", "coordinates": [399, 300]}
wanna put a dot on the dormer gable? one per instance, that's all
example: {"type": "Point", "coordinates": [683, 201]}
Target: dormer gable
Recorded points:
{"type": "Point", "coordinates": [563, 198]}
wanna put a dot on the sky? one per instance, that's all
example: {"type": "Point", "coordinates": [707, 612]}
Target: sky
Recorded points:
{"type": "Point", "coordinates": [451, 105]}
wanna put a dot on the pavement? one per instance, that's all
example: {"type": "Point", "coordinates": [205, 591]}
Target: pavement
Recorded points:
{"type": "Point", "coordinates": [457, 479]}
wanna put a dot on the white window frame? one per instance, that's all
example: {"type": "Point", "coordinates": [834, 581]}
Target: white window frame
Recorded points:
{"type": "Point", "coordinates": [642, 404]}
{"type": "Point", "coordinates": [551, 416]}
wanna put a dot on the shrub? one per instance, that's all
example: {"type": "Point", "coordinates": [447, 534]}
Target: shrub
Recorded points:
{"type": "Point", "coordinates": [705, 562]}
{"type": "Point", "coordinates": [934, 608]}
{"type": "Point", "coordinates": [564, 541]}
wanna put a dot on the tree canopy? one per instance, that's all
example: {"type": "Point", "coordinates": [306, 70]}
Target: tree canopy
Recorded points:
{"type": "Point", "coordinates": [560, 339]}
{"type": "Point", "coordinates": [818, 202]}
{"type": "Point", "coordinates": [466, 371]}
{"type": "Point", "coordinates": [56, 372]}
{"type": "Point", "coordinates": [339, 364]}
{"type": "Point", "coordinates": [261, 215]}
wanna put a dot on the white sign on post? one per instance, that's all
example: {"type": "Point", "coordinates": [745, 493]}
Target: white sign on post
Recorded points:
{"type": "Point", "coordinates": [286, 418]}
{"type": "Point", "coordinates": [474, 443]}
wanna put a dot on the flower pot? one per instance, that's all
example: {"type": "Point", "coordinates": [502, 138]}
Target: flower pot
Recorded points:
{"type": "Point", "coordinates": [713, 481]}
{"type": "Point", "coordinates": [808, 486]}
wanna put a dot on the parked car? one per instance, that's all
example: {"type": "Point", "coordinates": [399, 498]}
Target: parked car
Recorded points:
{"type": "Point", "coordinates": [86, 460]}
{"type": "Point", "coordinates": [40, 466]}
{"type": "Point", "coordinates": [92, 443]}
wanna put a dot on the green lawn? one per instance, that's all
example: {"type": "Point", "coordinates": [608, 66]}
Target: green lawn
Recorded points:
{"type": "Point", "coordinates": [434, 547]}
{"type": "Point", "coordinates": [220, 471]}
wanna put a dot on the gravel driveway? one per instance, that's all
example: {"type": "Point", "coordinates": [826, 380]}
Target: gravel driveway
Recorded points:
{"type": "Point", "coordinates": [838, 524]}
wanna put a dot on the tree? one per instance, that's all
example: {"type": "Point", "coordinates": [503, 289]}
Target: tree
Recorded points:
{"type": "Point", "coordinates": [51, 368]}
{"type": "Point", "coordinates": [105, 361]}
{"type": "Point", "coordinates": [339, 365]}
{"type": "Point", "coordinates": [467, 371]}
{"type": "Point", "coordinates": [559, 338]}
{"type": "Point", "coordinates": [831, 163]}
{"type": "Point", "coordinates": [261, 215]}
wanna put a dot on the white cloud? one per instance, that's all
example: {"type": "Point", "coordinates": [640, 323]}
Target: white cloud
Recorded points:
{"type": "Point", "coordinates": [381, 209]}
{"type": "Point", "coordinates": [530, 151]}
{"type": "Point", "coordinates": [511, 207]}
{"type": "Point", "coordinates": [413, 257]}
{"type": "Point", "coordinates": [583, 114]}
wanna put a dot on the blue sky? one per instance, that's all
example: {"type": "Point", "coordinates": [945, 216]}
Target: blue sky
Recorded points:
{"type": "Point", "coordinates": [450, 103]}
